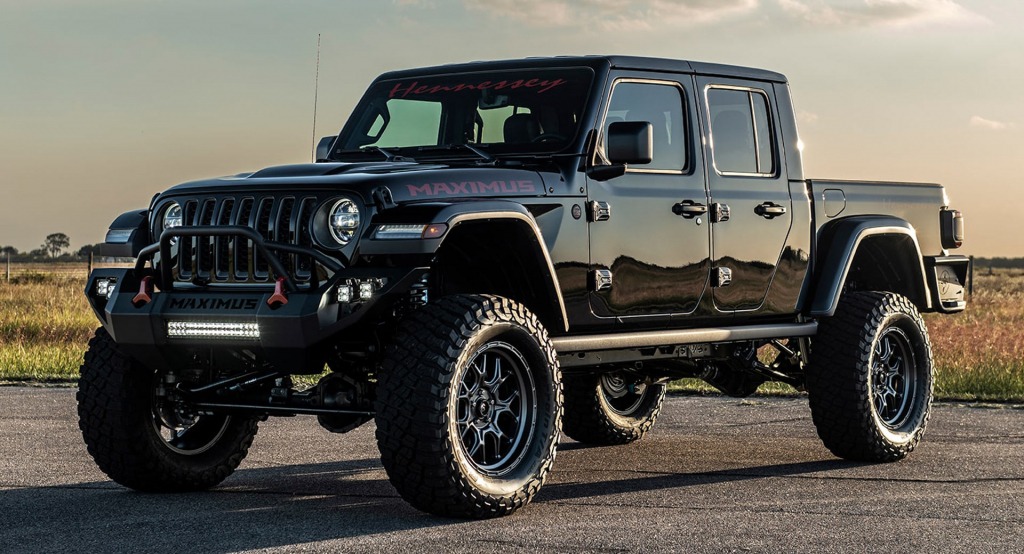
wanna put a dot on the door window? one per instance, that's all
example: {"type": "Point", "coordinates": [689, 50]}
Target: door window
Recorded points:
{"type": "Point", "coordinates": [662, 106]}
{"type": "Point", "coordinates": [741, 136]}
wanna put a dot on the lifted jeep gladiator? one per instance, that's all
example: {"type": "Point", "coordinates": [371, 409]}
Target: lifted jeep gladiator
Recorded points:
{"type": "Point", "coordinates": [489, 254]}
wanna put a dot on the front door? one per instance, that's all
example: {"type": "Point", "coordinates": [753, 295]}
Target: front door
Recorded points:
{"type": "Point", "coordinates": [657, 259]}
{"type": "Point", "coordinates": [750, 202]}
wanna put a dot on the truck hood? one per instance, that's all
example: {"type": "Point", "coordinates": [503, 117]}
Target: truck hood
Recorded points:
{"type": "Point", "coordinates": [407, 181]}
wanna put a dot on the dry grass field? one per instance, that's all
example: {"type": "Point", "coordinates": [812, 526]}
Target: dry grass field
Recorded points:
{"type": "Point", "coordinates": [45, 324]}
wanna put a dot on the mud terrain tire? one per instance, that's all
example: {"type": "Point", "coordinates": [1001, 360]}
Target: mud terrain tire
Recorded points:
{"type": "Point", "coordinates": [870, 378]}
{"type": "Point", "coordinates": [469, 404]}
{"type": "Point", "coordinates": [604, 409]}
{"type": "Point", "coordinates": [119, 419]}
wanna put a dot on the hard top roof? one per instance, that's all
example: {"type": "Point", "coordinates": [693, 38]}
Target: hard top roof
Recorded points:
{"type": "Point", "coordinates": [614, 62]}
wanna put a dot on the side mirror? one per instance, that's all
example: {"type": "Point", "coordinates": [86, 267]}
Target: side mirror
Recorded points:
{"type": "Point", "coordinates": [323, 148]}
{"type": "Point", "coordinates": [630, 142]}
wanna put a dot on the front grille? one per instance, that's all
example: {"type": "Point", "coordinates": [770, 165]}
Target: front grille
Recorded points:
{"type": "Point", "coordinates": [209, 259]}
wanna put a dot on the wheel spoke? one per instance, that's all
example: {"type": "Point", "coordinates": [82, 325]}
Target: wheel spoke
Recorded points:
{"type": "Point", "coordinates": [504, 408]}
{"type": "Point", "coordinates": [494, 416]}
{"type": "Point", "coordinates": [498, 377]}
{"type": "Point", "coordinates": [463, 412]}
{"type": "Point", "coordinates": [884, 350]}
{"type": "Point", "coordinates": [477, 441]}
{"type": "Point", "coordinates": [892, 378]}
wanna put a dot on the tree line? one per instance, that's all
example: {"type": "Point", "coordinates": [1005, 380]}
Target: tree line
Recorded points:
{"type": "Point", "coordinates": [999, 263]}
{"type": "Point", "coordinates": [55, 247]}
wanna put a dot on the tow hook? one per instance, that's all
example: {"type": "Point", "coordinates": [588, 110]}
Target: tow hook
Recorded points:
{"type": "Point", "coordinates": [145, 295]}
{"type": "Point", "coordinates": [278, 298]}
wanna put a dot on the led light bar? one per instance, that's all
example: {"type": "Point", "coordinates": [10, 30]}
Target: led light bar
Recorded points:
{"type": "Point", "coordinates": [213, 330]}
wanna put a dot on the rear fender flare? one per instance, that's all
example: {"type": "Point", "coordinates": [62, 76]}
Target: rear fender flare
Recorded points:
{"type": "Point", "coordinates": [838, 246]}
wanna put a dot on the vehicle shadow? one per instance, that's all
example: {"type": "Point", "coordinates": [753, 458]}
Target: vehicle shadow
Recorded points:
{"type": "Point", "coordinates": [289, 505]}
{"type": "Point", "coordinates": [255, 508]}
{"type": "Point", "coordinates": [649, 480]}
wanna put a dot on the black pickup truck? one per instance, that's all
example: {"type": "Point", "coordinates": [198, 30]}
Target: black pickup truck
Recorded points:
{"type": "Point", "coordinates": [489, 254]}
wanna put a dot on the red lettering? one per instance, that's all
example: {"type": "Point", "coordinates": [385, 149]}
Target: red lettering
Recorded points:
{"type": "Point", "coordinates": [459, 188]}
{"type": "Point", "coordinates": [548, 85]}
{"type": "Point", "coordinates": [402, 90]}
{"type": "Point", "coordinates": [415, 190]}
{"type": "Point", "coordinates": [471, 187]}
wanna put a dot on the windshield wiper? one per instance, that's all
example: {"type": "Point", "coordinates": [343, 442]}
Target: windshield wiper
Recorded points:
{"type": "Point", "coordinates": [485, 155]}
{"type": "Point", "coordinates": [389, 155]}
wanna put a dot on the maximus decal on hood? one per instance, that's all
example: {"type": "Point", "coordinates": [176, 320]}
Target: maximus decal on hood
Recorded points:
{"type": "Point", "coordinates": [456, 188]}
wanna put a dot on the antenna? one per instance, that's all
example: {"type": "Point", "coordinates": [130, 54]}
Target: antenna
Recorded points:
{"type": "Point", "coordinates": [316, 91]}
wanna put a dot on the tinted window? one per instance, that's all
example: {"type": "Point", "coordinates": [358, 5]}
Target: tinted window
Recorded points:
{"type": "Point", "coordinates": [504, 112]}
{"type": "Point", "coordinates": [741, 136]}
{"type": "Point", "coordinates": [662, 106]}
{"type": "Point", "coordinates": [424, 122]}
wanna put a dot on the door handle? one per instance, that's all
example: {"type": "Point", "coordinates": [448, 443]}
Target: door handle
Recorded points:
{"type": "Point", "coordinates": [769, 210]}
{"type": "Point", "coordinates": [689, 209]}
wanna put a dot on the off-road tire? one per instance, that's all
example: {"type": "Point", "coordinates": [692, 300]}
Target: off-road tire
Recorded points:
{"type": "Point", "coordinates": [423, 415]}
{"type": "Point", "coordinates": [852, 372]}
{"type": "Point", "coordinates": [593, 417]}
{"type": "Point", "coordinates": [116, 416]}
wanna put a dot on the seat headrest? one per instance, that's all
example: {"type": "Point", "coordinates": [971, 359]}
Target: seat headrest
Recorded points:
{"type": "Point", "coordinates": [521, 127]}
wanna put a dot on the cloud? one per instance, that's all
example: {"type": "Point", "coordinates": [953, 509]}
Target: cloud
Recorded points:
{"type": "Point", "coordinates": [882, 13]}
{"type": "Point", "coordinates": [806, 117]}
{"type": "Point", "coordinates": [981, 123]}
{"type": "Point", "coordinates": [612, 14]}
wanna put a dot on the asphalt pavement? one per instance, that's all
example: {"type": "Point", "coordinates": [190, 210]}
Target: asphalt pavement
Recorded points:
{"type": "Point", "coordinates": [714, 475]}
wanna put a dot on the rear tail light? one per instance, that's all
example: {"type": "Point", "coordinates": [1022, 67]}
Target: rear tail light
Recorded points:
{"type": "Point", "coordinates": [952, 225]}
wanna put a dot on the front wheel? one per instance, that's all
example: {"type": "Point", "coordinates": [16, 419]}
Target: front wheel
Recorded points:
{"type": "Point", "coordinates": [142, 439]}
{"type": "Point", "coordinates": [870, 378]}
{"type": "Point", "coordinates": [469, 403]}
{"type": "Point", "coordinates": [610, 408]}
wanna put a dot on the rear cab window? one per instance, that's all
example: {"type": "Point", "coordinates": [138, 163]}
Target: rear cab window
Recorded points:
{"type": "Point", "coordinates": [742, 140]}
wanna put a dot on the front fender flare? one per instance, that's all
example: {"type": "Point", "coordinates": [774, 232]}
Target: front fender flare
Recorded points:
{"type": "Point", "coordinates": [455, 214]}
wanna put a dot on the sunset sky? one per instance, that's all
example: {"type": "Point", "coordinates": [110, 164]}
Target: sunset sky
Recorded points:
{"type": "Point", "coordinates": [104, 103]}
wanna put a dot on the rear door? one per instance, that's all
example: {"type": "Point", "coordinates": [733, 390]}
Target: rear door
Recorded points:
{"type": "Point", "coordinates": [657, 261]}
{"type": "Point", "coordinates": [750, 209]}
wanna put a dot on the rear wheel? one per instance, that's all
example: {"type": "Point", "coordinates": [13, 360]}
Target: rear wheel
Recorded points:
{"type": "Point", "coordinates": [144, 440]}
{"type": "Point", "coordinates": [610, 408]}
{"type": "Point", "coordinates": [870, 378]}
{"type": "Point", "coordinates": [468, 407]}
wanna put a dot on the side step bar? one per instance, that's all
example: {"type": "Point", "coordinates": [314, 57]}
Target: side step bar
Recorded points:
{"type": "Point", "coordinates": [649, 339]}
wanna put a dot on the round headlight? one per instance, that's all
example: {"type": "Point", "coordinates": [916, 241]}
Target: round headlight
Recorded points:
{"type": "Point", "coordinates": [172, 216]}
{"type": "Point", "coordinates": [343, 220]}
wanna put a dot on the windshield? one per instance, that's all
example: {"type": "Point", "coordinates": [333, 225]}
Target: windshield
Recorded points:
{"type": "Point", "coordinates": [498, 112]}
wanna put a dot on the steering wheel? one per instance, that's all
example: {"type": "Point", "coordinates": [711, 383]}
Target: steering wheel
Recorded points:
{"type": "Point", "coordinates": [546, 137]}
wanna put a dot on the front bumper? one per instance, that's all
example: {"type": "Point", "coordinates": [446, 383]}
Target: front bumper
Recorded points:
{"type": "Point", "coordinates": [286, 335]}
